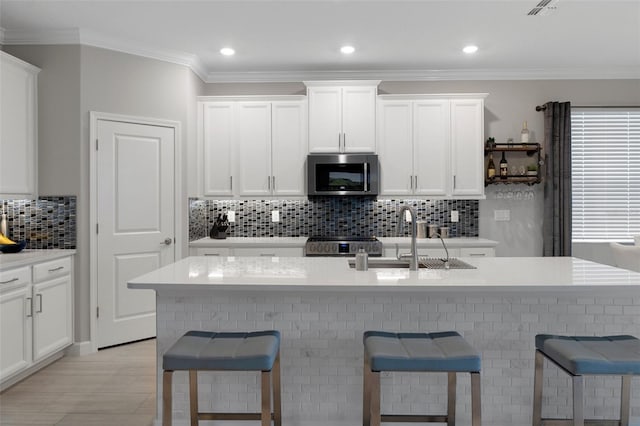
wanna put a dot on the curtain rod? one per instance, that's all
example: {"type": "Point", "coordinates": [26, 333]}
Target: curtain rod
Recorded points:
{"type": "Point", "coordinates": [542, 107]}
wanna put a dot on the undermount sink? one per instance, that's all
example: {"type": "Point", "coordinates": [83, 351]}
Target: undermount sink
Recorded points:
{"type": "Point", "coordinates": [424, 262]}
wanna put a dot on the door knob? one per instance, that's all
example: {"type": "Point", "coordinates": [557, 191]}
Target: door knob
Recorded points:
{"type": "Point", "coordinates": [167, 241]}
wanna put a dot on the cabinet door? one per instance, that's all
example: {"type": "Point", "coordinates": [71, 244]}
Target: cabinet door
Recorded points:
{"type": "Point", "coordinates": [18, 128]}
{"type": "Point", "coordinates": [254, 148]}
{"type": "Point", "coordinates": [288, 148]}
{"type": "Point", "coordinates": [477, 252]}
{"type": "Point", "coordinates": [15, 330]}
{"type": "Point", "coordinates": [325, 119]}
{"type": "Point", "coordinates": [270, 252]}
{"type": "Point", "coordinates": [217, 139]}
{"type": "Point", "coordinates": [395, 147]}
{"type": "Point", "coordinates": [431, 154]}
{"type": "Point", "coordinates": [467, 136]}
{"type": "Point", "coordinates": [52, 316]}
{"type": "Point", "coordinates": [359, 119]}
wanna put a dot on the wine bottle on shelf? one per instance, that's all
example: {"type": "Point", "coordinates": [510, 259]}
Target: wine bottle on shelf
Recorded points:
{"type": "Point", "coordinates": [504, 167]}
{"type": "Point", "coordinates": [491, 168]}
{"type": "Point", "coordinates": [524, 134]}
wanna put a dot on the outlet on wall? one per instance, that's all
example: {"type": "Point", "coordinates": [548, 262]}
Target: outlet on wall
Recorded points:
{"type": "Point", "coordinates": [502, 215]}
{"type": "Point", "coordinates": [275, 216]}
{"type": "Point", "coordinates": [231, 216]}
{"type": "Point", "coordinates": [455, 216]}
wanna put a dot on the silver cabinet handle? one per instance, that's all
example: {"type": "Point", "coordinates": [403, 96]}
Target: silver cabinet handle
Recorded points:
{"type": "Point", "coordinates": [416, 176]}
{"type": "Point", "coordinates": [167, 241]}
{"type": "Point", "coordinates": [9, 281]}
{"type": "Point", "coordinates": [366, 177]}
{"type": "Point", "coordinates": [56, 269]}
{"type": "Point", "coordinates": [273, 185]}
{"type": "Point", "coordinates": [231, 183]}
{"type": "Point", "coordinates": [454, 181]}
{"type": "Point", "coordinates": [344, 142]}
{"type": "Point", "coordinates": [39, 296]}
{"type": "Point", "coordinates": [30, 304]}
{"type": "Point", "coordinates": [269, 183]}
{"type": "Point", "coordinates": [267, 255]}
{"type": "Point", "coordinates": [212, 254]}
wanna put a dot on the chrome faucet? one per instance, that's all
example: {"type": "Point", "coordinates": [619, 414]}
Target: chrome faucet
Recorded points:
{"type": "Point", "coordinates": [413, 256]}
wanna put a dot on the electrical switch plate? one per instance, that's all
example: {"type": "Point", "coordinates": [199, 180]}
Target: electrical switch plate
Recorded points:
{"type": "Point", "coordinates": [231, 215]}
{"type": "Point", "coordinates": [502, 215]}
{"type": "Point", "coordinates": [275, 216]}
{"type": "Point", "coordinates": [455, 217]}
{"type": "Point", "coordinates": [407, 216]}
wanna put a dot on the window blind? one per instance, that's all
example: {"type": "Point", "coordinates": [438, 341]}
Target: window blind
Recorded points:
{"type": "Point", "coordinates": [605, 171]}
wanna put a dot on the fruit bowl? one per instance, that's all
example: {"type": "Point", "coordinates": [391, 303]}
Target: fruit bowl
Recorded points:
{"type": "Point", "coordinates": [13, 248]}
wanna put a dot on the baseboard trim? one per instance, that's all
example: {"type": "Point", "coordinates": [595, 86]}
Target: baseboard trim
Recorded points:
{"type": "Point", "coordinates": [80, 349]}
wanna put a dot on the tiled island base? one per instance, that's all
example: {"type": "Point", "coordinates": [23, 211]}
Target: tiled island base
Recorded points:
{"type": "Point", "coordinates": [322, 351]}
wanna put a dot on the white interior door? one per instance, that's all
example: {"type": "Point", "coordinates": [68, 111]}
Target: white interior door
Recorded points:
{"type": "Point", "coordinates": [135, 217]}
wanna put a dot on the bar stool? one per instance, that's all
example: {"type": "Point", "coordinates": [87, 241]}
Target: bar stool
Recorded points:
{"type": "Point", "coordinates": [211, 351]}
{"type": "Point", "coordinates": [579, 356]}
{"type": "Point", "coordinates": [418, 352]}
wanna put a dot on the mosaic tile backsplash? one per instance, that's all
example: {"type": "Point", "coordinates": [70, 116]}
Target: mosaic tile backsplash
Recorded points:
{"type": "Point", "coordinates": [46, 223]}
{"type": "Point", "coordinates": [328, 216]}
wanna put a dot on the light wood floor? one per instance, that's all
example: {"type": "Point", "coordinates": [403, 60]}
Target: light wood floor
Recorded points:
{"type": "Point", "coordinates": [114, 387]}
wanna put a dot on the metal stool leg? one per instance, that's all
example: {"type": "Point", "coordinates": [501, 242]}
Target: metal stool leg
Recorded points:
{"type": "Point", "coordinates": [166, 397]}
{"type": "Point", "coordinates": [366, 392]}
{"type": "Point", "coordinates": [451, 399]}
{"type": "Point", "coordinates": [277, 396]}
{"type": "Point", "coordinates": [537, 389]}
{"type": "Point", "coordinates": [625, 400]}
{"type": "Point", "coordinates": [193, 396]}
{"type": "Point", "coordinates": [578, 404]}
{"type": "Point", "coordinates": [476, 406]}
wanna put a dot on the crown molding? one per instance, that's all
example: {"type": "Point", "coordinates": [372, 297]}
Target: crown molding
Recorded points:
{"type": "Point", "coordinates": [427, 75]}
{"type": "Point", "coordinates": [84, 37]}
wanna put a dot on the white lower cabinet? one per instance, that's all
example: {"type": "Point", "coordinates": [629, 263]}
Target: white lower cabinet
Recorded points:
{"type": "Point", "coordinates": [36, 313]}
{"type": "Point", "coordinates": [249, 251]}
{"type": "Point", "coordinates": [477, 252]}
{"type": "Point", "coordinates": [269, 252]}
{"type": "Point", "coordinates": [16, 317]}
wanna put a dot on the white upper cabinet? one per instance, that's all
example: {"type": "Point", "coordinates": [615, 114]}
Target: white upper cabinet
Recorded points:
{"type": "Point", "coordinates": [18, 128]}
{"type": "Point", "coordinates": [217, 134]}
{"type": "Point", "coordinates": [254, 148]}
{"type": "Point", "coordinates": [431, 146]}
{"type": "Point", "coordinates": [467, 148]}
{"type": "Point", "coordinates": [342, 116]}
{"type": "Point", "coordinates": [288, 147]}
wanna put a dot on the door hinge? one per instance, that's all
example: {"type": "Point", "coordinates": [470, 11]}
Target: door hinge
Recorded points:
{"type": "Point", "coordinates": [97, 311]}
{"type": "Point", "coordinates": [96, 144]}
{"type": "Point", "coordinates": [97, 228]}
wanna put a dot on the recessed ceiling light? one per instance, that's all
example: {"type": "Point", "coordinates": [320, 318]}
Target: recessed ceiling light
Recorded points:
{"type": "Point", "coordinates": [347, 50]}
{"type": "Point", "coordinates": [227, 51]}
{"type": "Point", "coordinates": [470, 49]}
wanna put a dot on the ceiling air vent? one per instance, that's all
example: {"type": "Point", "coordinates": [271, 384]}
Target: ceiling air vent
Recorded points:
{"type": "Point", "coordinates": [543, 8]}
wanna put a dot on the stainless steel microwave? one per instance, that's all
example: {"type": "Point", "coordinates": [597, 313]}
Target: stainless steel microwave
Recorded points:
{"type": "Point", "coordinates": [343, 174]}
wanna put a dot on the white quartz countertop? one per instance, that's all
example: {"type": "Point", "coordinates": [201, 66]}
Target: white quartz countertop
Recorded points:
{"type": "Point", "coordinates": [28, 257]}
{"type": "Point", "coordinates": [499, 274]}
{"type": "Point", "coordinates": [232, 242]}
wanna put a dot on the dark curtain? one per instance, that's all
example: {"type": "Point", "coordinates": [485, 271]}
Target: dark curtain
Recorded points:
{"type": "Point", "coordinates": [557, 179]}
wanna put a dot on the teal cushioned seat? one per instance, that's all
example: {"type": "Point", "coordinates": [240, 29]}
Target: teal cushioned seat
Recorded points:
{"type": "Point", "coordinates": [206, 350]}
{"type": "Point", "coordinates": [442, 351]}
{"type": "Point", "coordinates": [582, 355]}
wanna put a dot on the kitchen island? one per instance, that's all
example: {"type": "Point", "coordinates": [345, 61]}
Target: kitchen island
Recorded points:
{"type": "Point", "coordinates": [322, 307]}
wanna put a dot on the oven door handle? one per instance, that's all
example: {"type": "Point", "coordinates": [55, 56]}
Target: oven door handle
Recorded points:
{"type": "Point", "coordinates": [366, 177]}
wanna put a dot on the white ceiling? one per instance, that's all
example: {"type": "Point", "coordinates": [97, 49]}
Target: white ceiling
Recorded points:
{"type": "Point", "coordinates": [396, 39]}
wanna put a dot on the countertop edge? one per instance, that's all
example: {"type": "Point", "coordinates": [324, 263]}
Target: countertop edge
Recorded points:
{"type": "Point", "coordinates": [29, 257]}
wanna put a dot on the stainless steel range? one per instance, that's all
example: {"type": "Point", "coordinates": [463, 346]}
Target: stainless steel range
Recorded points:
{"type": "Point", "coordinates": [342, 246]}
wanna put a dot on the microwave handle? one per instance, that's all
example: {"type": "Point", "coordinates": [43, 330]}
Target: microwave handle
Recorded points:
{"type": "Point", "coordinates": [366, 177]}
